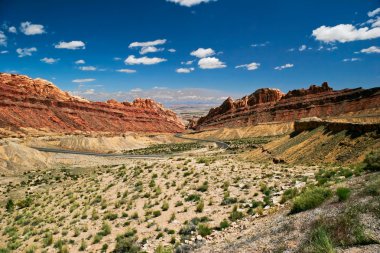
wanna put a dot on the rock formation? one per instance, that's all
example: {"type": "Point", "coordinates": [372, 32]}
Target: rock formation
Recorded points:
{"type": "Point", "coordinates": [271, 105]}
{"type": "Point", "coordinates": [39, 104]}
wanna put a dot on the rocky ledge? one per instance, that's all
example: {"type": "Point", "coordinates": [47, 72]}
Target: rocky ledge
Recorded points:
{"type": "Point", "coordinates": [271, 105]}
{"type": "Point", "coordinates": [39, 104]}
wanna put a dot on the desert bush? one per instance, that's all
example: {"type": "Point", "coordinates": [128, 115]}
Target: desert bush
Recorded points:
{"type": "Point", "coordinates": [235, 214]}
{"type": "Point", "coordinates": [163, 249]}
{"type": "Point", "coordinates": [126, 243]}
{"type": "Point", "coordinates": [204, 230]}
{"type": "Point", "coordinates": [224, 224]}
{"type": "Point", "coordinates": [343, 193]}
{"type": "Point", "coordinates": [320, 241]}
{"type": "Point", "coordinates": [165, 206]}
{"type": "Point", "coordinates": [200, 206]}
{"type": "Point", "coordinates": [193, 197]}
{"type": "Point", "coordinates": [10, 206]}
{"type": "Point", "coordinates": [203, 187]}
{"type": "Point", "coordinates": [288, 194]}
{"type": "Point", "coordinates": [372, 161]}
{"type": "Point", "coordinates": [310, 198]}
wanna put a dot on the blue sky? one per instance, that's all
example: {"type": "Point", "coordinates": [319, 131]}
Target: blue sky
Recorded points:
{"type": "Point", "coordinates": [234, 46]}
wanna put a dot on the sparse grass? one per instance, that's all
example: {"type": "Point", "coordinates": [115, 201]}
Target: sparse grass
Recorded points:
{"type": "Point", "coordinates": [343, 193]}
{"type": "Point", "coordinates": [372, 161]}
{"type": "Point", "coordinates": [310, 198]}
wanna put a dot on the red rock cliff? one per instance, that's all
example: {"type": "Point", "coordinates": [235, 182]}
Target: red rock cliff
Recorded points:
{"type": "Point", "coordinates": [38, 104]}
{"type": "Point", "coordinates": [271, 105]}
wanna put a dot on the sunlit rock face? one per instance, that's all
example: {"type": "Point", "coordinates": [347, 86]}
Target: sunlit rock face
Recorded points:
{"type": "Point", "coordinates": [39, 104]}
{"type": "Point", "coordinates": [271, 105]}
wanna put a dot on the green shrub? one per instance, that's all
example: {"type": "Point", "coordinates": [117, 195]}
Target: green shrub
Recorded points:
{"type": "Point", "coordinates": [165, 206]}
{"type": "Point", "coordinates": [10, 206]}
{"type": "Point", "coordinates": [320, 241]}
{"type": "Point", "coordinates": [193, 197]}
{"type": "Point", "coordinates": [126, 244]}
{"type": "Point", "coordinates": [48, 240]}
{"type": "Point", "coordinates": [164, 249]}
{"type": "Point", "coordinates": [343, 193]}
{"type": "Point", "coordinates": [204, 230]}
{"type": "Point", "coordinates": [372, 161]}
{"type": "Point", "coordinates": [224, 224]}
{"type": "Point", "coordinates": [235, 214]}
{"type": "Point", "coordinates": [310, 198]}
{"type": "Point", "coordinates": [288, 194]}
{"type": "Point", "coordinates": [200, 206]}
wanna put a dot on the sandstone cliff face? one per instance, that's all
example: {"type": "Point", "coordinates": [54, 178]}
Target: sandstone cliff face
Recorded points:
{"type": "Point", "coordinates": [38, 104]}
{"type": "Point", "coordinates": [271, 105]}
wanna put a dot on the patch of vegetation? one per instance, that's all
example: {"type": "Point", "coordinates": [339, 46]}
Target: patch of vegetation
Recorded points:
{"type": "Point", "coordinates": [127, 242]}
{"type": "Point", "coordinates": [372, 161]}
{"type": "Point", "coordinates": [165, 149]}
{"type": "Point", "coordinates": [310, 198]}
{"type": "Point", "coordinates": [343, 193]}
{"type": "Point", "coordinates": [204, 230]}
{"type": "Point", "coordinates": [288, 195]}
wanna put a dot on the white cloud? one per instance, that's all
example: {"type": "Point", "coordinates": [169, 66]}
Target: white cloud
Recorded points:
{"type": "Point", "coordinates": [371, 50]}
{"type": "Point", "coordinates": [4, 52]}
{"type": "Point", "coordinates": [117, 59]}
{"type": "Point", "coordinates": [345, 33]}
{"type": "Point", "coordinates": [172, 50]}
{"type": "Point", "coordinates": [12, 29]}
{"type": "Point", "coordinates": [189, 3]}
{"type": "Point", "coordinates": [187, 62]}
{"type": "Point", "coordinates": [49, 60]}
{"type": "Point", "coordinates": [28, 28]}
{"type": "Point", "coordinates": [22, 52]}
{"type": "Point", "coordinates": [211, 63]}
{"type": "Point", "coordinates": [260, 44]}
{"type": "Point", "coordinates": [132, 60]}
{"type": "Point", "coordinates": [184, 70]}
{"type": "Point", "coordinates": [373, 13]}
{"type": "Point", "coordinates": [203, 52]}
{"type": "Point", "coordinates": [351, 59]}
{"type": "Point", "coordinates": [148, 43]}
{"type": "Point", "coordinates": [150, 49]}
{"type": "Point", "coordinates": [3, 39]}
{"type": "Point", "coordinates": [129, 71]}
{"type": "Point", "coordinates": [250, 66]}
{"type": "Point", "coordinates": [86, 80]}
{"type": "Point", "coordinates": [87, 68]}
{"type": "Point", "coordinates": [72, 45]}
{"type": "Point", "coordinates": [286, 66]}
{"type": "Point", "coordinates": [80, 62]}
{"type": "Point", "coordinates": [302, 48]}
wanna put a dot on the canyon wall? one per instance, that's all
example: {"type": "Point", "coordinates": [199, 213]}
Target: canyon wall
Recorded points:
{"type": "Point", "coordinates": [271, 105]}
{"type": "Point", "coordinates": [39, 104]}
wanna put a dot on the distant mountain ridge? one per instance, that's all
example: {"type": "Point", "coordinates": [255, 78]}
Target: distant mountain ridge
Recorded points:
{"type": "Point", "coordinates": [39, 104]}
{"type": "Point", "coordinates": [271, 105]}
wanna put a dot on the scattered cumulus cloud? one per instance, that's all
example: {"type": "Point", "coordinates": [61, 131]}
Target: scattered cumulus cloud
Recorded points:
{"type": "Point", "coordinates": [49, 60]}
{"type": "Point", "coordinates": [28, 28]}
{"type": "Point", "coordinates": [22, 52]}
{"type": "Point", "coordinates": [250, 66]}
{"type": "Point", "coordinates": [211, 63]}
{"type": "Point", "coordinates": [148, 43]}
{"type": "Point", "coordinates": [371, 50]}
{"type": "Point", "coordinates": [80, 62]}
{"type": "Point", "coordinates": [203, 52]}
{"type": "Point", "coordinates": [3, 39]}
{"type": "Point", "coordinates": [286, 66]}
{"type": "Point", "coordinates": [345, 33]}
{"type": "Point", "coordinates": [189, 3]}
{"type": "Point", "coordinates": [72, 45]}
{"type": "Point", "coordinates": [260, 44]}
{"type": "Point", "coordinates": [132, 60]}
{"type": "Point", "coordinates": [351, 59]}
{"type": "Point", "coordinates": [172, 50]}
{"type": "Point", "coordinates": [4, 52]}
{"type": "Point", "coordinates": [184, 70]}
{"type": "Point", "coordinates": [86, 80]}
{"type": "Point", "coordinates": [187, 62]}
{"type": "Point", "coordinates": [373, 13]}
{"type": "Point", "coordinates": [302, 48]}
{"type": "Point", "coordinates": [150, 49]}
{"type": "Point", "coordinates": [117, 59]}
{"type": "Point", "coordinates": [128, 71]}
{"type": "Point", "coordinates": [12, 29]}
{"type": "Point", "coordinates": [88, 68]}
